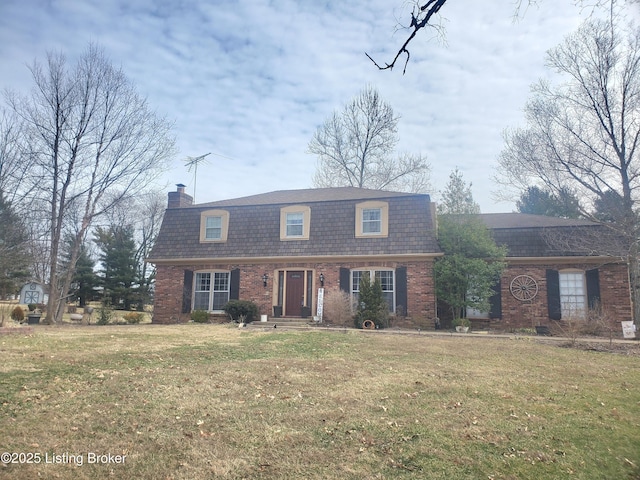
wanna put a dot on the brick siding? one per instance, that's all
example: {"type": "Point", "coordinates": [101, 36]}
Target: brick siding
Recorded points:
{"type": "Point", "coordinates": [614, 294]}
{"type": "Point", "coordinates": [170, 286]}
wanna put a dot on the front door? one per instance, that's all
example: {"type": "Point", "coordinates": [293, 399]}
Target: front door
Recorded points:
{"type": "Point", "coordinates": [295, 294]}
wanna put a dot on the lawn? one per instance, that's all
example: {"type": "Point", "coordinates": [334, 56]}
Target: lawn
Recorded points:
{"type": "Point", "coordinates": [212, 401]}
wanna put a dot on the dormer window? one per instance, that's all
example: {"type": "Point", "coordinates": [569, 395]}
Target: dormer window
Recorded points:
{"type": "Point", "coordinates": [214, 226]}
{"type": "Point", "coordinates": [372, 219]}
{"type": "Point", "coordinates": [295, 222]}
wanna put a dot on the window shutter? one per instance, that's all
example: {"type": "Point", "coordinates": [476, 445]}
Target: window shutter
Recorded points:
{"type": "Point", "coordinates": [345, 280]}
{"type": "Point", "coordinates": [401, 291]}
{"type": "Point", "coordinates": [593, 287]}
{"type": "Point", "coordinates": [553, 294]}
{"type": "Point", "coordinates": [495, 301]}
{"type": "Point", "coordinates": [187, 288]}
{"type": "Point", "coordinates": [234, 284]}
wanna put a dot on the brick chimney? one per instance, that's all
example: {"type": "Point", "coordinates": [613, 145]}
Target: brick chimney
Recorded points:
{"type": "Point", "coordinates": [179, 198]}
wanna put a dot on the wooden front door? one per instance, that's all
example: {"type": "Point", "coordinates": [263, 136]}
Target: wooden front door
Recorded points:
{"type": "Point", "coordinates": [295, 294]}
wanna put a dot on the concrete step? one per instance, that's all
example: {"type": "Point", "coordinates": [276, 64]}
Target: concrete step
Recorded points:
{"type": "Point", "coordinates": [283, 322]}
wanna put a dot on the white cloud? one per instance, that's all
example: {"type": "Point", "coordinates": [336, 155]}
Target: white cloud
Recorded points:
{"type": "Point", "coordinates": [252, 80]}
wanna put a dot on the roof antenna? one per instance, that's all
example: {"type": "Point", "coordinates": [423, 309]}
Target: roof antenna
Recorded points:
{"type": "Point", "coordinates": [193, 162]}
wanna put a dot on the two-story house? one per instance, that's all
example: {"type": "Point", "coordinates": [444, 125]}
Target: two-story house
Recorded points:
{"type": "Point", "coordinates": [277, 249]}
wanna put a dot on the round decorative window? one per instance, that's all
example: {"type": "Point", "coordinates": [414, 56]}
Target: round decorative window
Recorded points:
{"type": "Point", "coordinates": [524, 287]}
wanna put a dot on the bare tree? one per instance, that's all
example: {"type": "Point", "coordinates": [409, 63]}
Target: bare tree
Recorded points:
{"type": "Point", "coordinates": [94, 141]}
{"type": "Point", "coordinates": [584, 134]}
{"type": "Point", "coordinates": [355, 148]}
{"type": "Point", "coordinates": [425, 12]}
{"type": "Point", "coordinates": [14, 164]}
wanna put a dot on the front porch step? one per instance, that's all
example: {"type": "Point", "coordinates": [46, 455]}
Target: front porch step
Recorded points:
{"type": "Point", "coordinates": [283, 322]}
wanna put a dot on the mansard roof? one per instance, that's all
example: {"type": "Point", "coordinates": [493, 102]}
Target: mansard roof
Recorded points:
{"type": "Point", "coordinates": [254, 227]}
{"type": "Point", "coordinates": [527, 235]}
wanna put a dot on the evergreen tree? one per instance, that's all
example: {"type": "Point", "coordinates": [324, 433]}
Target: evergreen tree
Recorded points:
{"type": "Point", "coordinates": [457, 197]}
{"type": "Point", "coordinates": [537, 201]}
{"type": "Point", "coordinates": [472, 262]}
{"type": "Point", "coordinates": [118, 259]}
{"type": "Point", "coordinates": [371, 304]}
{"type": "Point", "coordinates": [85, 278]}
{"type": "Point", "coordinates": [14, 259]}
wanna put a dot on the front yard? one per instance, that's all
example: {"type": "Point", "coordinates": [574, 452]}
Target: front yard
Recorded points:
{"type": "Point", "coordinates": [215, 401]}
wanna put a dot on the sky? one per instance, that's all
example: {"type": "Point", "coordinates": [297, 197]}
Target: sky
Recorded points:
{"type": "Point", "coordinates": [251, 81]}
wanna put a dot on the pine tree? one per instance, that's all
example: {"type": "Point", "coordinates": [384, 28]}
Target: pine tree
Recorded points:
{"type": "Point", "coordinates": [14, 259]}
{"type": "Point", "coordinates": [85, 278]}
{"type": "Point", "coordinates": [537, 201]}
{"type": "Point", "coordinates": [472, 262]}
{"type": "Point", "coordinates": [457, 197]}
{"type": "Point", "coordinates": [118, 259]}
{"type": "Point", "coordinates": [371, 304]}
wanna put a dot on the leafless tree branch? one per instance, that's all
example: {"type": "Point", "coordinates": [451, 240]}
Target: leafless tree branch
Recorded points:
{"type": "Point", "coordinates": [423, 13]}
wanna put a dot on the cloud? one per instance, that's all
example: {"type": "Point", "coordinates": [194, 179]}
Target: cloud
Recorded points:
{"type": "Point", "coordinates": [251, 81]}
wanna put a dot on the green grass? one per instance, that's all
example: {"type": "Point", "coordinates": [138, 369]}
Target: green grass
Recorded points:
{"type": "Point", "coordinates": [210, 401]}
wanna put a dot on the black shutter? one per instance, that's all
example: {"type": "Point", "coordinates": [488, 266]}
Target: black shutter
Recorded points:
{"type": "Point", "coordinates": [553, 294]}
{"type": "Point", "coordinates": [495, 301]}
{"type": "Point", "coordinates": [186, 291]}
{"type": "Point", "coordinates": [345, 280]}
{"type": "Point", "coordinates": [593, 287]}
{"type": "Point", "coordinates": [234, 284]}
{"type": "Point", "coordinates": [401, 291]}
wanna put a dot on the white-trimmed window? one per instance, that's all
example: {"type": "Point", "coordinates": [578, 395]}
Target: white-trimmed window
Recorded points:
{"type": "Point", "coordinates": [295, 222]}
{"type": "Point", "coordinates": [211, 291]}
{"type": "Point", "coordinates": [372, 219]}
{"type": "Point", "coordinates": [387, 282]}
{"type": "Point", "coordinates": [214, 226]}
{"type": "Point", "coordinates": [573, 292]}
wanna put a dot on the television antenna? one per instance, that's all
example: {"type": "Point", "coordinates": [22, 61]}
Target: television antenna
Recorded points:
{"type": "Point", "coordinates": [193, 162]}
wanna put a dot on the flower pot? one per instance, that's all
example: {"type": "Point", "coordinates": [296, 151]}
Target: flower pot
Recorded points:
{"type": "Point", "coordinates": [462, 329]}
{"type": "Point", "coordinates": [33, 318]}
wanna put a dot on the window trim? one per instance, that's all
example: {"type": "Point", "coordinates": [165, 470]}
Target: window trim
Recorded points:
{"type": "Point", "coordinates": [211, 290]}
{"type": "Point", "coordinates": [384, 219]}
{"type": "Point", "coordinates": [372, 272]}
{"type": "Point", "coordinates": [306, 222]}
{"type": "Point", "coordinates": [580, 312]}
{"type": "Point", "coordinates": [224, 223]}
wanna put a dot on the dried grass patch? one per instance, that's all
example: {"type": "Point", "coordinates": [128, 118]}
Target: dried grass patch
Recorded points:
{"type": "Point", "coordinates": [208, 401]}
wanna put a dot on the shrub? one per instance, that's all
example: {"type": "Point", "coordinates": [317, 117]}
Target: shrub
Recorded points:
{"type": "Point", "coordinates": [461, 322]}
{"type": "Point", "coordinates": [200, 316]}
{"type": "Point", "coordinates": [133, 317]}
{"type": "Point", "coordinates": [337, 308]}
{"type": "Point", "coordinates": [17, 314]}
{"type": "Point", "coordinates": [241, 311]}
{"type": "Point", "coordinates": [105, 315]}
{"type": "Point", "coordinates": [372, 305]}
{"type": "Point", "coordinates": [32, 307]}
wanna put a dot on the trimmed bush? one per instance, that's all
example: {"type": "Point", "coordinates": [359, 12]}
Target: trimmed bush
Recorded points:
{"type": "Point", "coordinates": [133, 317]}
{"type": "Point", "coordinates": [371, 304]}
{"type": "Point", "coordinates": [200, 316]}
{"type": "Point", "coordinates": [17, 314]}
{"type": "Point", "coordinates": [241, 311]}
